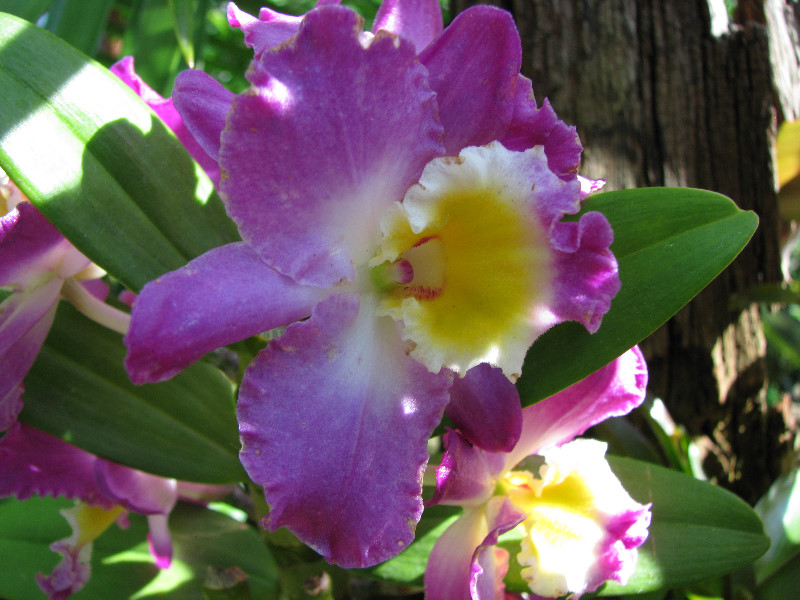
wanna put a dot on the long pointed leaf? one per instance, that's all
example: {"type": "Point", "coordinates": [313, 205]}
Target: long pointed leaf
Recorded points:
{"type": "Point", "coordinates": [670, 243]}
{"type": "Point", "coordinates": [98, 163]}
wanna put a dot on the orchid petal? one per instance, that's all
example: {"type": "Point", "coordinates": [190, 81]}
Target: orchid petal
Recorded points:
{"type": "Point", "coordinates": [465, 476]}
{"type": "Point", "coordinates": [22, 310]}
{"type": "Point", "coordinates": [489, 563]}
{"type": "Point", "coordinates": [163, 107]}
{"type": "Point", "coordinates": [223, 296]}
{"type": "Point", "coordinates": [590, 186]}
{"type": "Point", "coordinates": [34, 462]}
{"type": "Point", "coordinates": [419, 21]}
{"type": "Point", "coordinates": [485, 407]}
{"type": "Point", "coordinates": [534, 126]}
{"type": "Point", "coordinates": [301, 128]}
{"type": "Point", "coordinates": [25, 320]}
{"type": "Point", "coordinates": [614, 390]}
{"type": "Point", "coordinates": [159, 540]}
{"type": "Point", "coordinates": [31, 246]}
{"type": "Point", "coordinates": [449, 570]}
{"type": "Point", "coordinates": [582, 527]}
{"type": "Point", "coordinates": [135, 490]}
{"type": "Point", "coordinates": [587, 273]}
{"type": "Point", "coordinates": [202, 104]}
{"type": "Point", "coordinates": [334, 420]}
{"type": "Point", "coordinates": [270, 29]}
{"type": "Point", "coordinates": [482, 41]}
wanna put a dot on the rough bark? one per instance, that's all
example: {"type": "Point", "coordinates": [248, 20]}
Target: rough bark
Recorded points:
{"type": "Point", "coordinates": [659, 100]}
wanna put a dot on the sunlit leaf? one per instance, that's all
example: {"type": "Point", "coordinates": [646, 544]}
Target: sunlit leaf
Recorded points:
{"type": "Point", "coordinates": [98, 163]}
{"type": "Point", "coordinates": [670, 243]}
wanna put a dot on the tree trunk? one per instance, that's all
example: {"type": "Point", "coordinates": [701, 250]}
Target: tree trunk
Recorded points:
{"type": "Point", "coordinates": [660, 100]}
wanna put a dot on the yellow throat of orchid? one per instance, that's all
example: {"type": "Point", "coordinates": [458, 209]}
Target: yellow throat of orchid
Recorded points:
{"type": "Point", "coordinates": [478, 264]}
{"type": "Point", "coordinates": [568, 504]}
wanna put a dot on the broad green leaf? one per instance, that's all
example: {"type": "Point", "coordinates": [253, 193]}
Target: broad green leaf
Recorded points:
{"type": "Point", "coordinates": [98, 163]}
{"type": "Point", "coordinates": [670, 243]}
{"type": "Point", "coordinates": [30, 10]}
{"type": "Point", "coordinates": [699, 531]}
{"type": "Point", "coordinates": [780, 511]}
{"type": "Point", "coordinates": [79, 22]}
{"type": "Point", "coordinates": [79, 391]}
{"type": "Point", "coordinates": [121, 563]}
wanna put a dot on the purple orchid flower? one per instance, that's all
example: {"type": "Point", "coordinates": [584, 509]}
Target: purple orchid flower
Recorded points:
{"type": "Point", "coordinates": [399, 195]}
{"type": "Point", "coordinates": [579, 526]}
{"type": "Point", "coordinates": [33, 462]}
{"type": "Point", "coordinates": [39, 266]}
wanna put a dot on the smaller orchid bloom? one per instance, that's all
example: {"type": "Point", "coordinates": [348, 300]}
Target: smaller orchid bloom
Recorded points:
{"type": "Point", "coordinates": [34, 462]}
{"type": "Point", "coordinates": [38, 266]}
{"type": "Point", "coordinates": [579, 526]}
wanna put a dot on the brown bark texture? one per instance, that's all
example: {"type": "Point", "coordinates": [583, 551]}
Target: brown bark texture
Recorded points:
{"type": "Point", "coordinates": [658, 99]}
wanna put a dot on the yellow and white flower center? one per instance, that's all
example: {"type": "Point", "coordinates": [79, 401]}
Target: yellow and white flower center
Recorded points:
{"type": "Point", "coordinates": [568, 504]}
{"type": "Point", "coordinates": [481, 262]}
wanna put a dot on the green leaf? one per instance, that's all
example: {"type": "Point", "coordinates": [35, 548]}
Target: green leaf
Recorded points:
{"type": "Point", "coordinates": [98, 163]}
{"type": "Point", "coordinates": [122, 566]}
{"type": "Point", "coordinates": [183, 17]}
{"type": "Point", "coordinates": [30, 10]}
{"type": "Point", "coordinates": [79, 391]}
{"type": "Point", "coordinates": [151, 39]}
{"type": "Point", "coordinates": [79, 22]}
{"type": "Point", "coordinates": [782, 332]}
{"type": "Point", "coordinates": [699, 531]}
{"type": "Point", "coordinates": [783, 583]}
{"type": "Point", "coordinates": [670, 243]}
{"type": "Point", "coordinates": [780, 511]}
